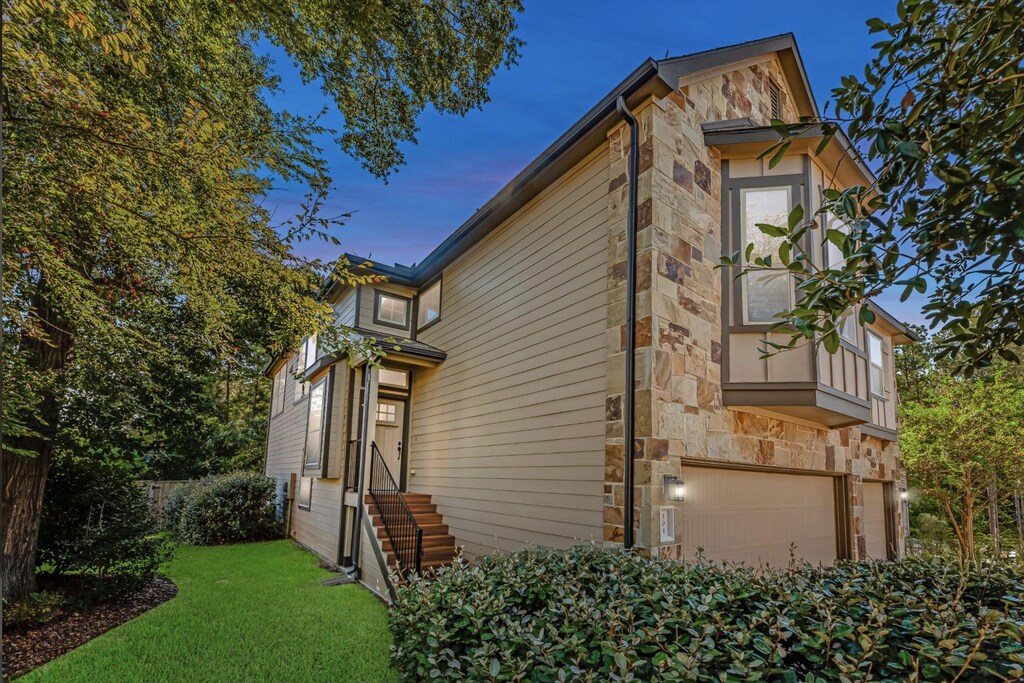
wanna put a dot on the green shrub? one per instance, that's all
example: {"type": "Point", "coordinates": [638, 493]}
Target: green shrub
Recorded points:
{"type": "Point", "coordinates": [598, 615]}
{"type": "Point", "coordinates": [227, 508]}
{"type": "Point", "coordinates": [97, 526]}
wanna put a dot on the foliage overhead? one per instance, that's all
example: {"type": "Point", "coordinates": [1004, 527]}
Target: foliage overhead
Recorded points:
{"type": "Point", "coordinates": [589, 614]}
{"type": "Point", "coordinates": [140, 145]}
{"type": "Point", "coordinates": [939, 112]}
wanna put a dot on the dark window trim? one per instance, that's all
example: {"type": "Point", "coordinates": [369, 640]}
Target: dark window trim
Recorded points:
{"type": "Point", "coordinates": [732, 189]}
{"type": "Point", "coordinates": [439, 280]}
{"type": "Point", "coordinates": [306, 464]}
{"type": "Point", "coordinates": [377, 294]}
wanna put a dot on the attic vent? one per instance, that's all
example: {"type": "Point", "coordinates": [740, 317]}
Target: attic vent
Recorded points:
{"type": "Point", "coordinates": [775, 97]}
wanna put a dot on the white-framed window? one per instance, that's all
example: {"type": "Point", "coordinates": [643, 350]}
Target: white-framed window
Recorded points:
{"type": "Point", "coordinates": [394, 378]}
{"type": "Point", "coordinates": [429, 305]}
{"type": "Point", "coordinates": [391, 309]}
{"type": "Point", "coordinates": [315, 425]}
{"type": "Point", "coordinates": [876, 359]}
{"type": "Point", "coordinates": [280, 382]}
{"type": "Point", "coordinates": [770, 291]}
{"type": "Point", "coordinates": [387, 412]}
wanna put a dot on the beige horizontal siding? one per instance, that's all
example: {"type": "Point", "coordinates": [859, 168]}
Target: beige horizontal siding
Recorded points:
{"type": "Point", "coordinates": [507, 434]}
{"type": "Point", "coordinates": [345, 308]}
{"type": "Point", "coordinates": [317, 527]}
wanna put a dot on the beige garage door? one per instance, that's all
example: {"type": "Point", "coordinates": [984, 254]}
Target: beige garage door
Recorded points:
{"type": "Point", "coordinates": [874, 520]}
{"type": "Point", "coordinates": [754, 517]}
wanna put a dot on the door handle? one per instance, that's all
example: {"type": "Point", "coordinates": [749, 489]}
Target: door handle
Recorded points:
{"type": "Point", "coordinates": [399, 450]}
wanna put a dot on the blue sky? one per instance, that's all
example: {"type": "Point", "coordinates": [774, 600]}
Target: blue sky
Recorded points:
{"type": "Point", "coordinates": [575, 53]}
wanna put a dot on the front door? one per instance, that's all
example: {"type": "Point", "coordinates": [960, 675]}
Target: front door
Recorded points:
{"type": "Point", "coordinates": [389, 432]}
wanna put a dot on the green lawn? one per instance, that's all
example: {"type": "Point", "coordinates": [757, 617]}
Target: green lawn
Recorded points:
{"type": "Point", "coordinates": [254, 612]}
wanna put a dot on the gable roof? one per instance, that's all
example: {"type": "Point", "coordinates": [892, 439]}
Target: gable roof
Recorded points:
{"type": "Point", "coordinates": [652, 77]}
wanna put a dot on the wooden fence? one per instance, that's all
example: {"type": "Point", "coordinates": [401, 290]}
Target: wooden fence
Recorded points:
{"type": "Point", "coordinates": [159, 491]}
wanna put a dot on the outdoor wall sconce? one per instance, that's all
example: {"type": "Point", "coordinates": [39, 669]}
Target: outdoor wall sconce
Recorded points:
{"type": "Point", "coordinates": [674, 487]}
{"type": "Point", "coordinates": [904, 495]}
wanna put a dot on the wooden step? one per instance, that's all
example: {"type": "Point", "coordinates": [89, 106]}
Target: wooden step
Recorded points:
{"type": "Point", "coordinates": [428, 530]}
{"type": "Point", "coordinates": [414, 508]}
{"type": "Point", "coordinates": [409, 498]}
{"type": "Point", "coordinates": [437, 541]}
{"type": "Point", "coordinates": [422, 519]}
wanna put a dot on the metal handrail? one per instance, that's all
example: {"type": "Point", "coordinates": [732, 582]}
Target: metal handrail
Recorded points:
{"type": "Point", "coordinates": [403, 531]}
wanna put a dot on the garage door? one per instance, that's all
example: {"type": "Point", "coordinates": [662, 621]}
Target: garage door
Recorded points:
{"type": "Point", "coordinates": [754, 517]}
{"type": "Point", "coordinates": [874, 520]}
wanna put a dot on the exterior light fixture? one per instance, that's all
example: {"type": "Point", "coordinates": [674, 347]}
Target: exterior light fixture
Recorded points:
{"type": "Point", "coordinates": [674, 487]}
{"type": "Point", "coordinates": [904, 495]}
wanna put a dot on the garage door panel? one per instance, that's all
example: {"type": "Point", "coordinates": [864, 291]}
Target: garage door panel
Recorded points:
{"type": "Point", "coordinates": [753, 517]}
{"type": "Point", "coordinates": [874, 520]}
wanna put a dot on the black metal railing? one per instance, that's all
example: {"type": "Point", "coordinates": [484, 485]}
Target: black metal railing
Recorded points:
{"type": "Point", "coordinates": [405, 534]}
{"type": "Point", "coordinates": [351, 474]}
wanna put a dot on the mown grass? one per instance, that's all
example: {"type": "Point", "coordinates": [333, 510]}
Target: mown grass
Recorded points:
{"type": "Point", "coordinates": [253, 612]}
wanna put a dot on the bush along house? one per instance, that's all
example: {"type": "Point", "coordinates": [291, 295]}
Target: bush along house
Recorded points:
{"type": "Point", "coordinates": [503, 419]}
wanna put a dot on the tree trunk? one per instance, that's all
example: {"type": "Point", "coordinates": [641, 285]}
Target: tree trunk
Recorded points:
{"type": "Point", "coordinates": [1018, 509]}
{"type": "Point", "coordinates": [24, 484]}
{"type": "Point", "coordinates": [968, 528]}
{"type": "Point", "coordinates": [993, 517]}
{"type": "Point", "coordinates": [25, 475]}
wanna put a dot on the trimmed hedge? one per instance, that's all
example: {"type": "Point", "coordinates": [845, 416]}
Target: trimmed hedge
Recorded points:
{"type": "Point", "coordinates": [225, 508]}
{"type": "Point", "coordinates": [599, 615]}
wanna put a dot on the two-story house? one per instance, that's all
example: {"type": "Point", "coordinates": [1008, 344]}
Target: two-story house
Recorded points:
{"type": "Point", "coordinates": [500, 421]}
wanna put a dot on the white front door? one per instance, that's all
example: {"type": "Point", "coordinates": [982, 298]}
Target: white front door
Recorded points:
{"type": "Point", "coordinates": [390, 425]}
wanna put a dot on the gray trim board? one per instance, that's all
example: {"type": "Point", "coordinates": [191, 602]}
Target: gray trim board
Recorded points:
{"type": "Point", "coordinates": [883, 433]}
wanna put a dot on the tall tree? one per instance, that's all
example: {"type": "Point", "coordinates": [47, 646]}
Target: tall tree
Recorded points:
{"type": "Point", "coordinates": [939, 112]}
{"type": "Point", "coordinates": [138, 144]}
{"type": "Point", "coordinates": [963, 443]}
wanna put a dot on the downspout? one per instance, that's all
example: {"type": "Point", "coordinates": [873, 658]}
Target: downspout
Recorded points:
{"type": "Point", "coordinates": [627, 394]}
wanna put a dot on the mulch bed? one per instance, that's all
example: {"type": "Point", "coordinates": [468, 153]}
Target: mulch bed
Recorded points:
{"type": "Point", "coordinates": [28, 647]}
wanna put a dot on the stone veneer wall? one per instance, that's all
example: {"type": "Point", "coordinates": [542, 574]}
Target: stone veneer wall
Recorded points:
{"type": "Point", "coordinates": [679, 412]}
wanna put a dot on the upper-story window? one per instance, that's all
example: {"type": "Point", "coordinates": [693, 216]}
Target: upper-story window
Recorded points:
{"type": "Point", "coordinates": [280, 378]}
{"type": "Point", "coordinates": [429, 305]}
{"type": "Point", "coordinates": [310, 351]}
{"type": "Point", "coordinates": [315, 425]}
{"type": "Point", "coordinates": [304, 358]}
{"type": "Point", "coordinates": [877, 366]}
{"type": "Point", "coordinates": [848, 326]}
{"type": "Point", "coordinates": [391, 309]}
{"type": "Point", "coordinates": [767, 292]}
{"type": "Point", "coordinates": [834, 258]}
